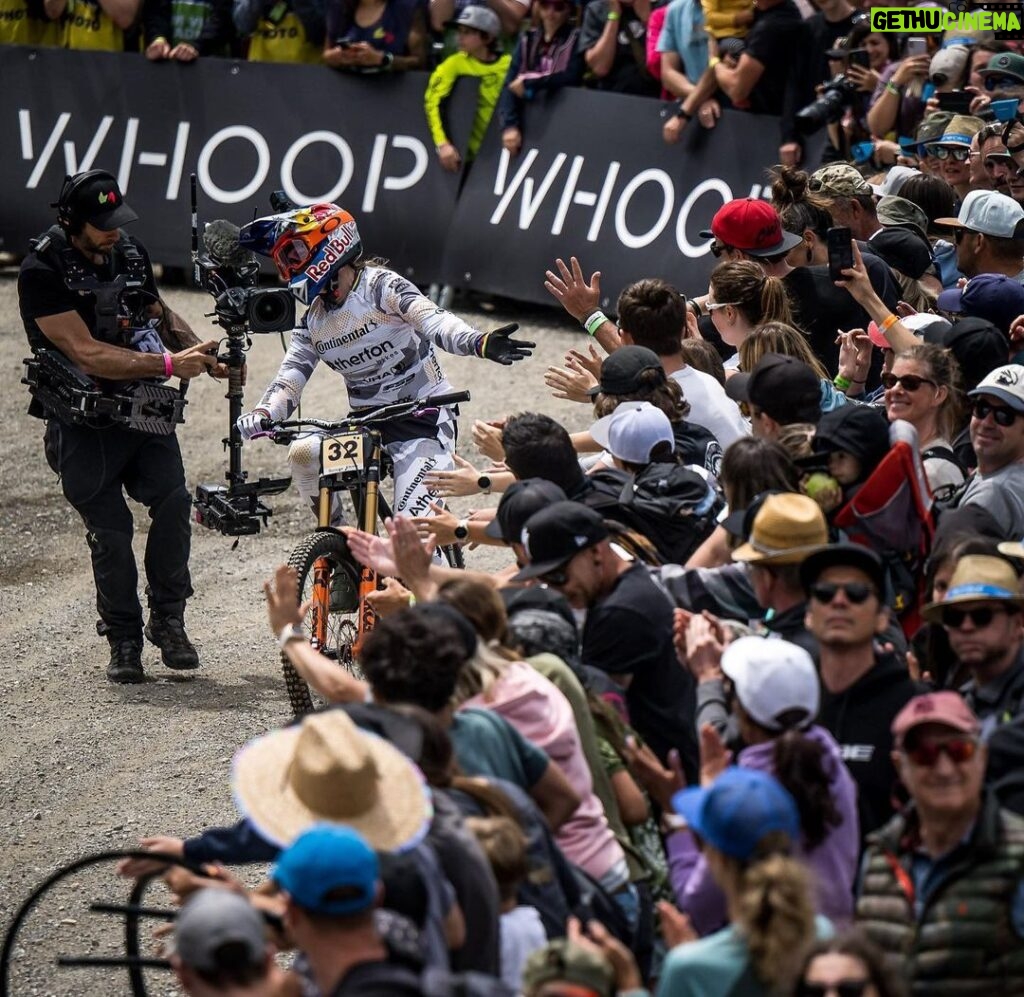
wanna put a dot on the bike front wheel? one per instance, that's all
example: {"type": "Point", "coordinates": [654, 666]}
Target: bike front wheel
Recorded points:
{"type": "Point", "coordinates": [329, 581]}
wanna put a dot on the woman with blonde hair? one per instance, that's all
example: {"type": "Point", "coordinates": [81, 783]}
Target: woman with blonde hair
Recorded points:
{"type": "Point", "coordinates": [740, 298]}
{"type": "Point", "coordinates": [748, 824]}
{"type": "Point", "coordinates": [778, 337]}
{"type": "Point", "coordinates": [925, 389]}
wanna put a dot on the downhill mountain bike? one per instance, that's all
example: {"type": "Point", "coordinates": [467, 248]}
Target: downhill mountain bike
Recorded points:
{"type": "Point", "coordinates": [352, 460]}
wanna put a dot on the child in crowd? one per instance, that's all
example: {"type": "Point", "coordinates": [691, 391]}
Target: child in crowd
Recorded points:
{"type": "Point", "coordinates": [522, 931]}
{"type": "Point", "coordinates": [726, 19]}
{"type": "Point", "coordinates": [479, 55]}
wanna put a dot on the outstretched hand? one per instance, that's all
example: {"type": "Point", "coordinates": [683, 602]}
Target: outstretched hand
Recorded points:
{"type": "Point", "coordinates": [371, 550]}
{"type": "Point", "coordinates": [579, 297]}
{"type": "Point", "coordinates": [499, 347]}
{"type": "Point", "coordinates": [283, 607]}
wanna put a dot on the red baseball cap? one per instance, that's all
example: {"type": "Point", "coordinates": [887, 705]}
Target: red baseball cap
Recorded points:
{"type": "Point", "coordinates": [753, 226]}
{"type": "Point", "coordinates": [946, 708]}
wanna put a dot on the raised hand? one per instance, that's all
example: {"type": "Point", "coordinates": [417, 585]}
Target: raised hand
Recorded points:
{"type": "Point", "coordinates": [283, 607]}
{"type": "Point", "coordinates": [462, 481]}
{"type": "Point", "coordinates": [577, 296]}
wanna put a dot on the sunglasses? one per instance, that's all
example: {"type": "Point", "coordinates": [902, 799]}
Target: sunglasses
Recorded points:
{"type": "Point", "coordinates": [908, 382]}
{"type": "Point", "coordinates": [981, 617]}
{"type": "Point", "coordinates": [844, 988]}
{"type": "Point", "coordinates": [957, 749]}
{"type": "Point", "coordinates": [718, 248]}
{"type": "Point", "coordinates": [556, 5]}
{"type": "Point", "coordinates": [996, 159]}
{"type": "Point", "coordinates": [712, 305]}
{"type": "Point", "coordinates": [855, 592]}
{"type": "Point", "coordinates": [555, 578]}
{"type": "Point", "coordinates": [959, 154]}
{"type": "Point", "coordinates": [995, 82]}
{"type": "Point", "coordinates": [1002, 415]}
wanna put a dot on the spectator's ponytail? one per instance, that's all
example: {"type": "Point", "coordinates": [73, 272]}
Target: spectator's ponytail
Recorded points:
{"type": "Point", "coordinates": [799, 766]}
{"type": "Point", "coordinates": [774, 912]}
{"type": "Point", "coordinates": [757, 298]}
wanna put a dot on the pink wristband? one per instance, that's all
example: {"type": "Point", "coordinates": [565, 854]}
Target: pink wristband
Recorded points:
{"type": "Point", "coordinates": [168, 365]}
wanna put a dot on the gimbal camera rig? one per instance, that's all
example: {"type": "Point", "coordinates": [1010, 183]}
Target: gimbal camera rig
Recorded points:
{"type": "Point", "coordinates": [231, 273]}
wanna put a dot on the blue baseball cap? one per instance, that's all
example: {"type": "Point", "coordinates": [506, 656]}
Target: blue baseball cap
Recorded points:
{"type": "Point", "coordinates": [991, 296]}
{"type": "Point", "coordinates": [329, 869]}
{"type": "Point", "coordinates": [737, 810]}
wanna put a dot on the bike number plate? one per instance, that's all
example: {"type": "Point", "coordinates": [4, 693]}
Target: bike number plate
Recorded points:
{"type": "Point", "coordinates": [343, 452]}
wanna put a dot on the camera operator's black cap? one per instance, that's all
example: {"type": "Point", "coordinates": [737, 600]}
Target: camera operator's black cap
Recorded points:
{"type": "Point", "coordinates": [96, 198]}
{"type": "Point", "coordinates": [520, 501]}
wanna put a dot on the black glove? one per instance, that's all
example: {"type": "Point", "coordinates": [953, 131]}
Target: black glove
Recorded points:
{"type": "Point", "coordinates": [499, 348]}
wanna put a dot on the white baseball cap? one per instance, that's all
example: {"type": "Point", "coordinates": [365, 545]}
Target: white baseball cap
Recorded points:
{"type": "Point", "coordinates": [1005, 383]}
{"type": "Point", "coordinates": [894, 180]}
{"type": "Point", "coordinates": [989, 213]}
{"type": "Point", "coordinates": [771, 678]}
{"type": "Point", "coordinates": [632, 431]}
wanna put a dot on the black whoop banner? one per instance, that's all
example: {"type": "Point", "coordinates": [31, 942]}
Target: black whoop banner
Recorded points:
{"type": "Point", "coordinates": [245, 129]}
{"type": "Point", "coordinates": [595, 179]}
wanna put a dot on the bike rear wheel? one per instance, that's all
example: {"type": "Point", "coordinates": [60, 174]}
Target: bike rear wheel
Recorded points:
{"type": "Point", "coordinates": [317, 560]}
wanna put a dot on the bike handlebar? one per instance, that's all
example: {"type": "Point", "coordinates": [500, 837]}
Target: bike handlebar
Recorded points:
{"type": "Point", "coordinates": [382, 414]}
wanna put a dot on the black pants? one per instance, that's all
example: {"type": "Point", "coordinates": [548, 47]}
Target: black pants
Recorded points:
{"type": "Point", "coordinates": [97, 467]}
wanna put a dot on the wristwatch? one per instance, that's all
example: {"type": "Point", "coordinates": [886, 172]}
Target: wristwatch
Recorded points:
{"type": "Point", "coordinates": [289, 633]}
{"type": "Point", "coordinates": [484, 484]}
{"type": "Point", "coordinates": [461, 531]}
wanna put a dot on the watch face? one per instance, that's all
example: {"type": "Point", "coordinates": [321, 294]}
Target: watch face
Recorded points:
{"type": "Point", "coordinates": [483, 482]}
{"type": "Point", "coordinates": [460, 532]}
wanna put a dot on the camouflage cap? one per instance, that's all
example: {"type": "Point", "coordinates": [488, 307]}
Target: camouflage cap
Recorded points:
{"type": "Point", "coordinates": [839, 180]}
{"type": "Point", "coordinates": [933, 127]}
{"type": "Point", "coordinates": [899, 211]}
{"type": "Point", "coordinates": [566, 962]}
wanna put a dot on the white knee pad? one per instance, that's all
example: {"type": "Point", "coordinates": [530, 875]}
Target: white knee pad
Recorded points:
{"type": "Point", "coordinates": [304, 461]}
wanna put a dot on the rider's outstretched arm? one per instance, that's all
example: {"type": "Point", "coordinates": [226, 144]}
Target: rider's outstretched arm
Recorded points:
{"type": "Point", "coordinates": [402, 298]}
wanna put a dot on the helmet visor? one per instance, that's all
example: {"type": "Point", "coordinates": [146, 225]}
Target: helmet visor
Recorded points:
{"type": "Point", "coordinates": [291, 255]}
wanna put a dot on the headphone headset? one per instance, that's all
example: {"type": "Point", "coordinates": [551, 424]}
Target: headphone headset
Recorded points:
{"type": "Point", "coordinates": [72, 184]}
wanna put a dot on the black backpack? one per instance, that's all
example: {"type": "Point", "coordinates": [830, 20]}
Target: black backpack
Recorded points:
{"type": "Point", "coordinates": [948, 496]}
{"type": "Point", "coordinates": [672, 505]}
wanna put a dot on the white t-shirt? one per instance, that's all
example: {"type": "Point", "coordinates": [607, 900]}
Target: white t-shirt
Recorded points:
{"type": "Point", "coordinates": [522, 933]}
{"type": "Point", "coordinates": [710, 406]}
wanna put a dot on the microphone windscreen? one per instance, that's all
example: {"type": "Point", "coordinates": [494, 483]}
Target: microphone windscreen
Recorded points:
{"type": "Point", "coordinates": [220, 238]}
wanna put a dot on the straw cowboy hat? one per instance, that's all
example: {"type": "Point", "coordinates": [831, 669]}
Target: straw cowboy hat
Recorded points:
{"type": "Point", "coordinates": [785, 530]}
{"type": "Point", "coordinates": [978, 578]}
{"type": "Point", "coordinates": [327, 769]}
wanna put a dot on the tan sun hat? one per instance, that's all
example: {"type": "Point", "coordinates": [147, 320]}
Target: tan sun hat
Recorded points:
{"type": "Point", "coordinates": [978, 578]}
{"type": "Point", "coordinates": [327, 769]}
{"type": "Point", "coordinates": [785, 530]}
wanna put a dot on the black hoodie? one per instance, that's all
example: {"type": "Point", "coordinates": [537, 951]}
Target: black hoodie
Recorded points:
{"type": "Point", "coordinates": [860, 719]}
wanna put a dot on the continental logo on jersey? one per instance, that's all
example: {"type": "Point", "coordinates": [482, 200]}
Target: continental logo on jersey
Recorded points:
{"type": "Point", "coordinates": [341, 241]}
{"type": "Point", "coordinates": [336, 342]}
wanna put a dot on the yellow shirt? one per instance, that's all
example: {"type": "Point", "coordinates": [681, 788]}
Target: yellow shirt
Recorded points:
{"type": "Point", "coordinates": [17, 28]}
{"type": "Point", "coordinates": [87, 26]}
{"type": "Point", "coordinates": [442, 82]}
{"type": "Point", "coordinates": [283, 41]}
{"type": "Point", "coordinates": [719, 17]}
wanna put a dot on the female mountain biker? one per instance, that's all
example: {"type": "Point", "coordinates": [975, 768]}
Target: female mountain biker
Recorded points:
{"type": "Point", "coordinates": [377, 330]}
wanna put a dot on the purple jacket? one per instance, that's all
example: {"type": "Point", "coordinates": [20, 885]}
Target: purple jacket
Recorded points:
{"type": "Point", "coordinates": [833, 863]}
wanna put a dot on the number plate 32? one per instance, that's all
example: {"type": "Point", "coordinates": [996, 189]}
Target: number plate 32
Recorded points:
{"type": "Point", "coordinates": [342, 453]}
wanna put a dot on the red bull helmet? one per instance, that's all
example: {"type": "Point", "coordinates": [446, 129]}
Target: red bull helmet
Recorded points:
{"type": "Point", "coordinates": [308, 245]}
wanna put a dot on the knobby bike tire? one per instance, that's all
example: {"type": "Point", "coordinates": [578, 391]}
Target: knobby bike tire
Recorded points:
{"type": "Point", "coordinates": [332, 546]}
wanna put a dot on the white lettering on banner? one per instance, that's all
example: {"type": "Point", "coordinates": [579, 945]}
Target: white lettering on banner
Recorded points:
{"type": "Point", "coordinates": [406, 143]}
{"type": "Point", "coordinates": [258, 142]}
{"type": "Point", "coordinates": [647, 176]}
{"type": "Point", "coordinates": [288, 165]}
{"type": "Point", "coordinates": [402, 175]}
{"type": "Point", "coordinates": [534, 195]}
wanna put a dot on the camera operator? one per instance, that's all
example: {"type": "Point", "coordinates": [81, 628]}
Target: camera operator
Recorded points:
{"type": "Point", "coordinates": [87, 291]}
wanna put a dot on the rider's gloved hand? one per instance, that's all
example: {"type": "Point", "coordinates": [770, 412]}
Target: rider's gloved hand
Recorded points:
{"type": "Point", "coordinates": [252, 423]}
{"type": "Point", "coordinates": [498, 347]}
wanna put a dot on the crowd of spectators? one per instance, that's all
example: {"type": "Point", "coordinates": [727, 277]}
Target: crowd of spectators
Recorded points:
{"type": "Point", "coordinates": [883, 98]}
{"type": "Point", "coordinates": [745, 712]}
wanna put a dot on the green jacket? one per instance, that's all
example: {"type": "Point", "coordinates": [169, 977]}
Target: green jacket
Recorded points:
{"type": "Point", "coordinates": [442, 82]}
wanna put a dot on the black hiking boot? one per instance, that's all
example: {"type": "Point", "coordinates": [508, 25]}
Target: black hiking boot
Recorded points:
{"type": "Point", "coordinates": [176, 650]}
{"type": "Point", "coordinates": [125, 666]}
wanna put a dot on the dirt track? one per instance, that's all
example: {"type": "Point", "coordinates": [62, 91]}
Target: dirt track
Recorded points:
{"type": "Point", "coordinates": [87, 766]}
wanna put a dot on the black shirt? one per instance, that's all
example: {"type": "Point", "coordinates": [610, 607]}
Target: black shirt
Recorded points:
{"type": "Point", "coordinates": [42, 290]}
{"type": "Point", "coordinates": [778, 40]}
{"type": "Point", "coordinates": [860, 719]}
{"type": "Point", "coordinates": [629, 632]}
{"type": "Point", "coordinates": [629, 70]}
{"type": "Point", "coordinates": [824, 35]}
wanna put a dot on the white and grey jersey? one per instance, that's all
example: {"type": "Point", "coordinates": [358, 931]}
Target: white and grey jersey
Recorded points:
{"type": "Point", "coordinates": [381, 340]}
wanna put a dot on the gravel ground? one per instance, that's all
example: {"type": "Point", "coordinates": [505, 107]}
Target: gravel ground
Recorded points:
{"type": "Point", "coordinates": [86, 766]}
